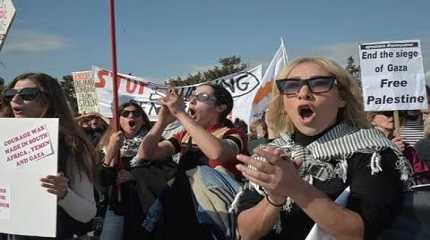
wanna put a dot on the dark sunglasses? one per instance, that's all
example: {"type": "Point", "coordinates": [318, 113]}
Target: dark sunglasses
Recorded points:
{"type": "Point", "coordinates": [201, 97]}
{"type": "Point", "coordinates": [27, 94]}
{"type": "Point", "coordinates": [386, 113]}
{"type": "Point", "coordinates": [134, 113]}
{"type": "Point", "coordinates": [317, 84]}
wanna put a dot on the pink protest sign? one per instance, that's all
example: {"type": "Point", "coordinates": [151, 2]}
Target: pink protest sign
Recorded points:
{"type": "Point", "coordinates": [5, 201]}
{"type": "Point", "coordinates": [28, 146]}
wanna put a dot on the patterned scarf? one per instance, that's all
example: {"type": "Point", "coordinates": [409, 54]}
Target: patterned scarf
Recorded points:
{"type": "Point", "coordinates": [326, 158]}
{"type": "Point", "coordinates": [130, 146]}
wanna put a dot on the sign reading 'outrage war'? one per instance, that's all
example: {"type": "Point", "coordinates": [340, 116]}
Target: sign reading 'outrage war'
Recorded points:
{"type": "Point", "coordinates": [392, 75]}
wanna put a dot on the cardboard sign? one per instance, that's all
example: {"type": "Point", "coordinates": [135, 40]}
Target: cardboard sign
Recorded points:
{"type": "Point", "coordinates": [242, 87]}
{"type": "Point", "coordinates": [7, 14]}
{"type": "Point", "coordinates": [28, 152]}
{"type": "Point", "coordinates": [392, 76]}
{"type": "Point", "coordinates": [85, 90]}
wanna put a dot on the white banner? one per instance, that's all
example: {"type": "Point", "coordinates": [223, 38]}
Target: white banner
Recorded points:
{"type": "Point", "coordinates": [28, 152]}
{"type": "Point", "coordinates": [264, 93]}
{"type": "Point", "coordinates": [7, 14]}
{"type": "Point", "coordinates": [85, 90]}
{"type": "Point", "coordinates": [392, 76]}
{"type": "Point", "coordinates": [241, 85]}
{"type": "Point", "coordinates": [129, 87]}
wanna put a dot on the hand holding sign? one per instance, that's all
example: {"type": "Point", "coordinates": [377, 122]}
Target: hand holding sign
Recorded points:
{"type": "Point", "coordinates": [57, 185]}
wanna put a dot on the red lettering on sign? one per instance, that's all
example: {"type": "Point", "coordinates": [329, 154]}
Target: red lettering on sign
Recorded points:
{"type": "Point", "coordinates": [101, 81]}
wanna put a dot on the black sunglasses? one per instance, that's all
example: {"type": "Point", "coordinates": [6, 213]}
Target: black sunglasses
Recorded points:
{"type": "Point", "coordinates": [386, 113]}
{"type": "Point", "coordinates": [201, 97]}
{"type": "Point", "coordinates": [27, 94]}
{"type": "Point", "coordinates": [317, 84]}
{"type": "Point", "coordinates": [134, 113]}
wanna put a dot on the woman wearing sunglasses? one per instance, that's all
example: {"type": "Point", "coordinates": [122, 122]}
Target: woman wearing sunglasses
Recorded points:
{"type": "Point", "coordinates": [384, 122]}
{"type": "Point", "coordinates": [324, 147]}
{"type": "Point", "coordinates": [208, 139]}
{"type": "Point", "coordinates": [123, 208]}
{"type": "Point", "coordinates": [38, 95]}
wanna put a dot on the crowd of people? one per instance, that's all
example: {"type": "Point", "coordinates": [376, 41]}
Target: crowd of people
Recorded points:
{"type": "Point", "coordinates": [214, 180]}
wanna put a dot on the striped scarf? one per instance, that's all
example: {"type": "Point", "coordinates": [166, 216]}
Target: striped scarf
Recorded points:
{"type": "Point", "coordinates": [326, 158]}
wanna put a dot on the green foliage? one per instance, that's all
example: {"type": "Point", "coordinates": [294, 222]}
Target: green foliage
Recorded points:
{"type": "Point", "coordinates": [2, 85]}
{"type": "Point", "coordinates": [67, 85]}
{"type": "Point", "coordinates": [353, 69]}
{"type": "Point", "coordinates": [228, 66]}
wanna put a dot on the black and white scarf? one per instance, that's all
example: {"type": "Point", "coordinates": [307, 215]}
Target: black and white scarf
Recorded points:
{"type": "Point", "coordinates": [130, 146]}
{"type": "Point", "coordinates": [326, 158]}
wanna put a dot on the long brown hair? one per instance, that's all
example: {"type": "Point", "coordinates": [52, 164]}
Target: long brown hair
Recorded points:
{"type": "Point", "coordinates": [80, 148]}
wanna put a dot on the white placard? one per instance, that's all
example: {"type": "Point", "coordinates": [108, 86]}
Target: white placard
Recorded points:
{"type": "Point", "coordinates": [392, 76]}
{"type": "Point", "coordinates": [5, 202]}
{"type": "Point", "coordinates": [242, 87]}
{"type": "Point", "coordinates": [7, 14]}
{"type": "Point", "coordinates": [85, 90]}
{"type": "Point", "coordinates": [28, 152]}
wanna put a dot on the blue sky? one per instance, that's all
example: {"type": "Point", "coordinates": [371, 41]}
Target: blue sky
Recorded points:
{"type": "Point", "coordinates": [158, 39]}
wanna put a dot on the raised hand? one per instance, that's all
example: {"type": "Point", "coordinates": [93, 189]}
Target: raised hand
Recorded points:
{"type": "Point", "coordinates": [113, 147]}
{"type": "Point", "coordinates": [398, 141]}
{"type": "Point", "coordinates": [165, 116]}
{"type": "Point", "coordinates": [174, 102]}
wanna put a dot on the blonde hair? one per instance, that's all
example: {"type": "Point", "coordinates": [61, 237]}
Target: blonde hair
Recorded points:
{"type": "Point", "coordinates": [348, 90]}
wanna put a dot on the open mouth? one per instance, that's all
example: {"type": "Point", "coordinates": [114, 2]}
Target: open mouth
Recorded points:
{"type": "Point", "coordinates": [306, 113]}
{"type": "Point", "coordinates": [131, 123]}
{"type": "Point", "coordinates": [192, 112]}
{"type": "Point", "coordinates": [17, 110]}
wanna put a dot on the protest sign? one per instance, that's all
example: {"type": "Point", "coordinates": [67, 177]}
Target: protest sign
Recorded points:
{"type": "Point", "coordinates": [392, 76]}
{"type": "Point", "coordinates": [7, 14]}
{"type": "Point", "coordinates": [129, 87]}
{"type": "Point", "coordinates": [242, 87]}
{"type": "Point", "coordinates": [28, 152]}
{"type": "Point", "coordinates": [4, 201]}
{"type": "Point", "coordinates": [85, 90]}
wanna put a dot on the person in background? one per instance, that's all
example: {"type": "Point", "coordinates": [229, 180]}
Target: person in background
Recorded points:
{"type": "Point", "coordinates": [94, 125]}
{"type": "Point", "coordinates": [325, 145]}
{"type": "Point", "coordinates": [384, 121]}
{"type": "Point", "coordinates": [258, 134]}
{"type": "Point", "coordinates": [423, 146]}
{"type": "Point", "coordinates": [38, 95]}
{"type": "Point", "coordinates": [208, 139]}
{"type": "Point", "coordinates": [412, 125]}
{"type": "Point", "coordinates": [240, 124]}
{"type": "Point", "coordinates": [124, 214]}
{"type": "Point", "coordinates": [426, 112]}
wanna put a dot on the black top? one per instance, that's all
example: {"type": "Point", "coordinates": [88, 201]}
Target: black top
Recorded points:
{"type": "Point", "coordinates": [423, 150]}
{"type": "Point", "coordinates": [376, 198]}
